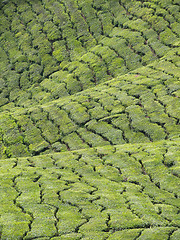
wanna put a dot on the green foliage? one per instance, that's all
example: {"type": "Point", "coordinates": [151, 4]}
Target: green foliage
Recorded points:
{"type": "Point", "coordinates": [158, 233]}
{"type": "Point", "coordinates": [56, 90]}
{"type": "Point", "coordinates": [97, 224]}
{"type": "Point", "coordinates": [14, 229]}
{"type": "Point", "coordinates": [35, 71]}
{"type": "Point", "coordinates": [70, 236]}
{"type": "Point", "coordinates": [91, 138]}
{"type": "Point", "coordinates": [65, 213]}
{"type": "Point", "coordinates": [125, 234]}
{"type": "Point", "coordinates": [60, 52]}
{"type": "Point", "coordinates": [52, 31]}
{"type": "Point", "coordinates": [168, 37]}
{"type": "Point", "coordinates": [89, 119]}
{"type": "Point", "coordinates": [78, 113]}
{"type": "Point", "coordinates": [175, 235]}
{"type": "Point", "coordinates": [107, 131]}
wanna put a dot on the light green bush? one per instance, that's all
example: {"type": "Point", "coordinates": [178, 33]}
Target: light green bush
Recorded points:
{"type": "Point", "coordinates": [175, 235]}
{"type": "Point", "coordinates": [52, 31]}
{"type": "Point", "coordinates": [168, 37]}
{"type": "Point", "coordinates": [74, 141]}
{"type": "Point", "coordinates": [129, 234]}
{"type": "Point", "coordinates": [67, 213]}
{"type": "Point", "coordinates": [70, 236]}
{"type": "Point", "coordinates": [158, 233]}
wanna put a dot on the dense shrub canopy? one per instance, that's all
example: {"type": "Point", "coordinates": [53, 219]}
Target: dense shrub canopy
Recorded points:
{"type": "Point", "coordinates": [89, 119]}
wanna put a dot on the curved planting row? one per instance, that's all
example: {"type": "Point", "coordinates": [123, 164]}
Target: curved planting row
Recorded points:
{"type": "Point", "coordinates": [139, 107]}
{"type": "Point", "coordinates": [87, 42]}
{"type": "Point", "coordinates": [114, 192]}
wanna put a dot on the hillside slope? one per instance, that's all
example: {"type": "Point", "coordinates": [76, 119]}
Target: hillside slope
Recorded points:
{"type": "Point", "coordinates": [89, 119]}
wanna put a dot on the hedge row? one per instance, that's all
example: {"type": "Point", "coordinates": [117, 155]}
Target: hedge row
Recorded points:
{"type": "Point", "coordinates": [64, 194]}
{"type": "Point", "coordinates": [129, 109]}
{"type": "Point", "coordinates": [89, 42]}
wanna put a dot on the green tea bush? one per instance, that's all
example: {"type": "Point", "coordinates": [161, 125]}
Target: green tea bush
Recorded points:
{"type": "Point", "coordinates": [70, 236]}
{"type": "Point", "coordinates": [105, 52]}
{"type": "Point", "coordinates": [158, 233]}
{"type": "Point", "coordinates": [43, 45]}
{"type": "Point", "coordinates": [142, 124]}
{"type": "Point", "coordinates": [175, 235]}
{"type": "Point", "coordinates": [59, 51]}
{"type": "Point", "coordinates": [27, 16]}
{"type": "Point", "coordinates": [42, 227]}
{"type": "Point", "coordinates": [107, 131]}
{"type": "Point", "coordinates": [91, 138]}
{"type": "Point", "coordinates": [49, 131]}
{"type": "Point", "coordinates": [74, 141]}
{"type": "Point", "coordinates": [35, 71]}
{"type": "Point", "coordinates": [52, 31]}
{"type": "Point", "coordinates": [49, 65]}
{"type": "Point", "coordinates": [76, 48]}
{"type": "Point", "coordinates": [98, 67]}
{"type": "Point", "coordinates": [9, 10]}
{"type": "Point", "coordinates": [56, 89]}
{"type": "Point", "coordinates": [77, 112]}
{"type": "Point", "coordinates": [129, 234]}
{"type": "Point", "coordinates": [168, 37]}
{"type": "Point", "coordinates": [14, 229]}
{"type": "Point", "coordinates": [84, 74]}
{"type": "Point", "coordinates": [98, 112]}
{"type": "Point", "coordinates": [168, 212]}
{"type": "Point", "coordinates": [97, 224]}
{"type": "Point", "coordinates": [22, 7]}
{"type": "Point", "coordinates": [4, 24]}
{"type": "Point", "coordinates": [106, 20]}
{"type": "Point", "coordinates": [175, 28]}
{"type": "Point", "coordinates": [61, 119]}
{"type": "Point", "coordinates": [123, 218]}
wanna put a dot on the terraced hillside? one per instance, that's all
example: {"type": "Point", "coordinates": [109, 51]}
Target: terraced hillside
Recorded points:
{"type": "Point", "coordinates": [89, 119]}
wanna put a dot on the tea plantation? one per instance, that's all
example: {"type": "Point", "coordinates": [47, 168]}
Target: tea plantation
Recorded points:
{"type": "Point", "coordinates": [89, 120]}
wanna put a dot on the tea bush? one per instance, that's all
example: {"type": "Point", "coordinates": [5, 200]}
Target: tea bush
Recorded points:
{"type": "Point", "coordinates": [89, 119]}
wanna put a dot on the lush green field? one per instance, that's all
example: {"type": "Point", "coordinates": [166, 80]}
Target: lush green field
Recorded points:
{"type": "Point", "coordinates": [89, 119]}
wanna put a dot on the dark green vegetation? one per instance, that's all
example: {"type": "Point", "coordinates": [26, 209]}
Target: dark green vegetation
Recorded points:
{"type": "Point", "coordinates": [89, 119]}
